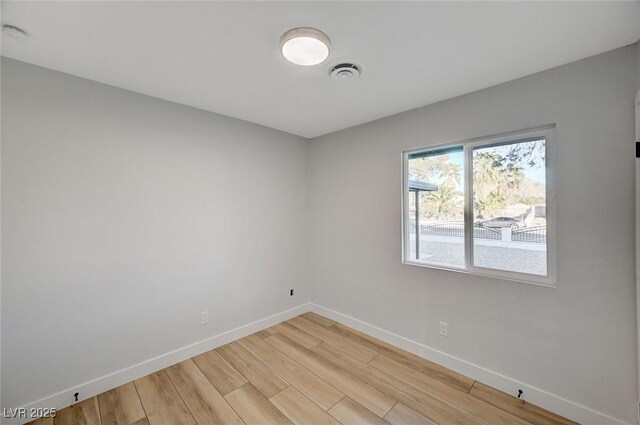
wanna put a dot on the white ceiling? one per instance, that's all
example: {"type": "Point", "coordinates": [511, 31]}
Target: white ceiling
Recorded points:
{"type": "Point", "coordinates": [224, 57]}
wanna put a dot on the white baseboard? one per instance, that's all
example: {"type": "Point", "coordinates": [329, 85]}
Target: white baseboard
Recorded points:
{"type": "Point", "coordinates": [554, 403]}
{"type": "Point", "coordinates": [105, 383]}
{"type": "Point", "coordinates": [544, 399]}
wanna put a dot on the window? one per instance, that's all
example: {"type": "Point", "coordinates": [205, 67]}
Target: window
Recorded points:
{"type": "Point", "coordinates": [483, 206]}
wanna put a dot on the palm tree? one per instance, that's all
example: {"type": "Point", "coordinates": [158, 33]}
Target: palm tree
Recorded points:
{"type": "Point", "coordinates": [496, 180]}
{"type": "Point", "coordinates": [512, 176]}
{"type": "Point", "coordinates": [486, 172]}
{"type": "Point", "coordinates": [442, 203]}
{"type": "Point", "coordinates": [490, 205]}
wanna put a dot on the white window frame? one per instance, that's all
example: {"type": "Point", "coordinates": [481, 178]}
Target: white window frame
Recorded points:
{"type": "Point", "coordinates": [546, 132]}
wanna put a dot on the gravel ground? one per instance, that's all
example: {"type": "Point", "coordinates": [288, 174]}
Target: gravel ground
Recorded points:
{"type": "Point", "coordinates": [447, 253]}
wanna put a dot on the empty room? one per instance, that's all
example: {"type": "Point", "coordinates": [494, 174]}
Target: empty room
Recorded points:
{"type": "Point", "coordinates": [319, 212]}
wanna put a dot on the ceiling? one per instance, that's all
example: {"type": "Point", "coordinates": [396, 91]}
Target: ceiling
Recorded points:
{"type": "Point", "coordinates": [224, 56]}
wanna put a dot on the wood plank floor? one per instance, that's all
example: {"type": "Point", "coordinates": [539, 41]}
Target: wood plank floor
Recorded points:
{"type": "Point", "coordinates": [308, 370]}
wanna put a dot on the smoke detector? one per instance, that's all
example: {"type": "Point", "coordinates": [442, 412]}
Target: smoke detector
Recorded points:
{"type": "Point", "coordinates": [345, 71]}
{"type": "Point", "coordinates": [13, 32]}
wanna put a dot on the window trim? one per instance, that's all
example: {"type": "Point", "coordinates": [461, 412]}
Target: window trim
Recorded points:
{"type": "Point", "coordinates": [546, 132]}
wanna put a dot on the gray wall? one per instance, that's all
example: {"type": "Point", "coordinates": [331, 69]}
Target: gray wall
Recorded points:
{"type": "Point", "coordinates": [578, 340]}
{"type": "Point", "coordinates": [124, 217]}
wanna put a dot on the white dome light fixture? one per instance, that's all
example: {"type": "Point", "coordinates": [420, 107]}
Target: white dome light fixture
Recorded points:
{"type": "Point", "coordinates": [305, 46]}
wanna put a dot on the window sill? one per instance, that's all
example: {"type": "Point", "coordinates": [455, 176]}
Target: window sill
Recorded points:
{"type": "Point", "coordinates": [546, 281]}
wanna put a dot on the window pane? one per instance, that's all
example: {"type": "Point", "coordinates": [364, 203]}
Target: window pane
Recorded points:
{"type": "Point", "coordinates": [509, 207]}
{"type": "Point", "coordinates": [436, 180]}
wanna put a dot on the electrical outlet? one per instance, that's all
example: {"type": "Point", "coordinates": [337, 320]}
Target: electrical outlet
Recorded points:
{"type": "Point", "coordinates": [443, 329]}
{"type": "Point", "coordinates": [204, 317]}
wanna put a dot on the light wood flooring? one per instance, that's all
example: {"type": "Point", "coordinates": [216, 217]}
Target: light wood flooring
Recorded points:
{"type": "Point", "coordinates": [308, 370]}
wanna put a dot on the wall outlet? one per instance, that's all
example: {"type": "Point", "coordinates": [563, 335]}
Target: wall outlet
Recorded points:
{"type": "Point", "coordinates": [291, 293]}
{"type": "Point", "coordinates": [204, 317]}
{"type": "Point", "coordinates": [444, 328]}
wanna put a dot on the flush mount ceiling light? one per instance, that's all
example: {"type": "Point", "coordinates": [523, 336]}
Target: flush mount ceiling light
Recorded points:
{"type": "Point", "coordinates": [13, 32]}
{"type": "Point", "coordinates": [305, 46]}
